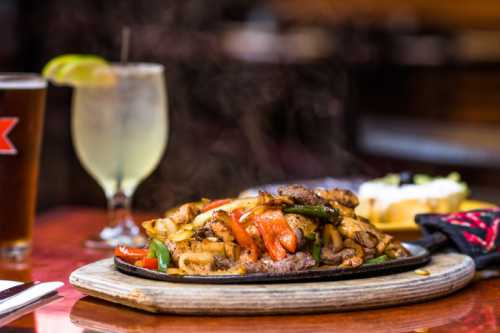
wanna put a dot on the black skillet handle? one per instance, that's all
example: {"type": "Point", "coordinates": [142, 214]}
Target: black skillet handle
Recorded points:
{"type": "Point", "coordinates": [433, 242]}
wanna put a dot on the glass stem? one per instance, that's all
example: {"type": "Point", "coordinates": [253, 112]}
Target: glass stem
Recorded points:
{"type": "Point", "coordinates": [120, 218]}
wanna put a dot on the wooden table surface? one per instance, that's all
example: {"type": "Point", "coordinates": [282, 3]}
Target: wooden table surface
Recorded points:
{"type": "Point", "coordinates": [58, 251]}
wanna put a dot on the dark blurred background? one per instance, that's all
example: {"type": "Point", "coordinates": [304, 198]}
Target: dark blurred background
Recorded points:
{"type": "Point", "coordinates": [268, 91]}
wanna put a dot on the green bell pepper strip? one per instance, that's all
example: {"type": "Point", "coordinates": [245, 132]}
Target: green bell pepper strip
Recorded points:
{"type": "Point", "coordinates": [377, 260]}
{"type": "Point", "coordinates": [159, 251]}
{"type": "Point", "coordinates": [316, 252]}
{"type": "Point", "coordinates": [151, 251]}
{"type": "Point", "coordinates": [321, 212]}
{"type": "Point", "coordinates": [316, 248]}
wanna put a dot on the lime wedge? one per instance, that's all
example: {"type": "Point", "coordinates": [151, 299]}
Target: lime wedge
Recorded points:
{"type": "Point", "coordinates": [85, 73]}
{"type": "Point", "coordinates": [79, 70]}
{"type": "Point", "coordinates": [51, 68]}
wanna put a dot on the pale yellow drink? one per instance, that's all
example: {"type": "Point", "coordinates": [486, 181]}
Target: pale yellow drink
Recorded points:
{"type": "Point", "coordinates": [120, 130]}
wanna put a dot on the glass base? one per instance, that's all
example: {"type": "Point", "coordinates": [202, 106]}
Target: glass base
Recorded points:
{"type": "Point", "coordinates": [111, 237]}
{"type": "Point", "coordinates": [98, 243]}
{"type": "Point", "coordinates": [17, 251]}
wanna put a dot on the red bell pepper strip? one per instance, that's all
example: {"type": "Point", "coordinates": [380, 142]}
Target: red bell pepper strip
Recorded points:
{"type": "Point", "coordinates": [271, 242]}
{"type": "Point", "coordinates": [130, 254]}
{"type": "Point", "coordinates": [277, 235]}
{"type": "Point", "coordinates": [215, 204]}
{"type": "Point", "coordinates": [149, 263]}
{"type": "Point", "coordinates": [242, 237]}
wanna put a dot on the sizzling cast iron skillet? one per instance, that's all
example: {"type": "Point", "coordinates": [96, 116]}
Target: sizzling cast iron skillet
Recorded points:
{"type": "Point", "coordinates": [419, 257]}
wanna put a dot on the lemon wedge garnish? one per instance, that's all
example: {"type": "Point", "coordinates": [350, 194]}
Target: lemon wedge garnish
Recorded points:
{"type": "Point", "coordinates": [79, 70]}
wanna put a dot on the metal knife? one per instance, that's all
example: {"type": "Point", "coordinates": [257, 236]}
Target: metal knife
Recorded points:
{"type": "Point", "coordinates": [12, 291]}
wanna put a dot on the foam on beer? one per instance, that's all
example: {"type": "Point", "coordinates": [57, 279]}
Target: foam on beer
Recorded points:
{"type": "Point", "coordinates": [21, 81]}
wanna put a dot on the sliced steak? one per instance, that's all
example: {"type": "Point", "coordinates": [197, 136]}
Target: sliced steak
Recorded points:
{"type": "Point", "coordinates": [369, 253]}
{"type": "Point", "coordinates": [328, 256]}
{"type": "Point", "coordinates": [223, 263]}
{"type": "Point", "coordinates": [301, 195]}
{"type": "Point", "coordinates": [292, 263]}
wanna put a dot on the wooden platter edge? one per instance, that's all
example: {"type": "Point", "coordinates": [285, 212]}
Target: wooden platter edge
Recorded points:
{"type": "Point", "coordinates": [449, 272]}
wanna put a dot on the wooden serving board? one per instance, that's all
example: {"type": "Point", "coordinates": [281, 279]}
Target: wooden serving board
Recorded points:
{"type": "Point", "coordinates": [448, 273]}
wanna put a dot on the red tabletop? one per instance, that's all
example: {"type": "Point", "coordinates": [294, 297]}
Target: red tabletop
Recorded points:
{"type": "Point", "coordinates": [58, 251]}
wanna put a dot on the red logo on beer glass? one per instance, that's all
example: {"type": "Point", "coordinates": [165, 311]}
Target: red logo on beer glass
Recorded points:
{"type": "Point", "coordinates": [6, 146]}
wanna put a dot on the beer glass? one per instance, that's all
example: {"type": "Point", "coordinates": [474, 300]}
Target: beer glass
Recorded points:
{"type": "Point", "coordinates": [120, 132]}
{"type": "Point", "coordinates": [22, 105]}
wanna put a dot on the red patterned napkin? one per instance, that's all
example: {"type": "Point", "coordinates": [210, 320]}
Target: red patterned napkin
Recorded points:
{"type": "Point", "coordinates": [475, 233]}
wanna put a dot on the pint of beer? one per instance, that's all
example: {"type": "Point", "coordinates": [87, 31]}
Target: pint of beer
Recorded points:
{"type": "Point", "coordinates": [22, 104]}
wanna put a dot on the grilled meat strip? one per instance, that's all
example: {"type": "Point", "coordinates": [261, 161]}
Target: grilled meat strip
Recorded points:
{"type": "Point", "coordinates": [301, 195]}
{"type": "Point", "coordinates": [184, 213]}
{"type": "Point", "coordinates": [344, 197]}
{"type": "Point", "coordinates": [293, 262]}
{"type": "Point", "coordinates": [328, 255]}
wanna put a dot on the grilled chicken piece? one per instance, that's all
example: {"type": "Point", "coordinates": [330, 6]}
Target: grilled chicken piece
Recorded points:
{"type": "Point", "coordinates": [252, 230]}
{"type": "Point", "coordinates": [344, 197]}
{"type": "Point", "coordinates": [332, 238]}
{"type": "Point", "coordinates": [274, 200]}
{"type": "Point", "coordinates": [232, 251]}
{"type": "Point", "coordinates": [177, 248]}
{"type": "Point", "coordinates": [344, 211]}
{"type": "Point", "coordinates": [395, 250]}
{"type": "Point", "coordinates": [366, 239]}
{"type": "Point", "coordinates": [215, 227]}
{"type": "Point", "coordinates": [382, 244]}
{"type": "Point", "coordinates": [197, 263]}
{"type": "Point", "coordinates": [218, 227]}
{"type": "Point", "coordinates": [353, 262]}
{"type": "Point", "coordinates": [362, 232]}
{"type": "Point", "coordinates": [359, 254]}
{"type": "Point", "coordinates": [159, 228]}
{"type": "Point", "coordinates": [343, 200]}
{"type": "Point", "coordinates": [204, 232]}
{"type": "Point", "coordinates": [185, 213]}
{"type": "Point", "coordinates": [301, 195]}
{"type": "Point", "coordinates": [306, 225]}
{"type": "Point", "coordinates": [221, 231]}
{"type": "Point", "coordinates": [369, 237]}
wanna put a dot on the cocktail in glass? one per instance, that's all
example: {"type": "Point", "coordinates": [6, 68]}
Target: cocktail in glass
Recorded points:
{"type": "Point", "coordinates": [120, 132]}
